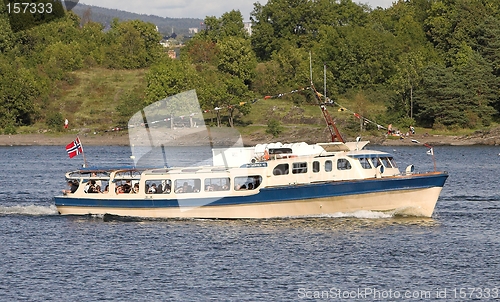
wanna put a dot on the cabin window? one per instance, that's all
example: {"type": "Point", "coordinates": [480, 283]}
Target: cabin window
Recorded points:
{"type": "Point", "coordinates": [386, 162]}
{"type": "Point", "coordinates": [192, 185]}
{"type": "Point", "coordinates": [281, 169]}
{"type": "Point", "coordinates": [315, 166]}
{"type": "Point", "coordinates": [391, 161]}
{"type": "Point", "coordinates": [217, 184]}
{"type": "Point", "coordinates": [343, 164]}
{"type": "Point", "coordinates": [298, 168]}
{"type": "Point", "coordinates": [376, 162]}
{"type": "Point", "coordinates": [250, 182]}
{"type": "Point", "coordinates": [95, 186]}
{"type": "Point", "coordinates": [365, 163]}
{"type": "Point", "coordinates": [328, 166]}
{"type": "Point", "coordinates": [124, 186]}
{"type": "Point", "coordinates": [157, 186]}
{"type": "Point", "coordinates": [97, 183]}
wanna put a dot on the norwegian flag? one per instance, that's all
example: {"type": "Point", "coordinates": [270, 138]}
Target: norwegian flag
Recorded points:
{"type": "Point", "coordinates": [74, 148]}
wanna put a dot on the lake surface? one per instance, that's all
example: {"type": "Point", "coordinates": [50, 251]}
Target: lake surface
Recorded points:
{"type": "Point", "coordinates": [365, 256]}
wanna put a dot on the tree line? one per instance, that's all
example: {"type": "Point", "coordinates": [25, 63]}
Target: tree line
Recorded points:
{"type": "Point", "coordinates": [432, 63]}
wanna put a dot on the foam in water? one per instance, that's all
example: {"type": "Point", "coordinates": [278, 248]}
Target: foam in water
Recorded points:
{"type": "Point", "coordinates": [363, 214]}
{"type": "Point", "coordinates": [357, 214]}
{"type": "Point", "coordinates": [29, 210]}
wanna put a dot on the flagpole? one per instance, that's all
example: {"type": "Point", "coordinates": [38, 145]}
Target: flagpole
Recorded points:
{"type": "Point", "coordinates": [83, 153]}
{"type": "Point", "coordinates": [433, 159]}
{"type": "Point", "coordinates": [431, 149]}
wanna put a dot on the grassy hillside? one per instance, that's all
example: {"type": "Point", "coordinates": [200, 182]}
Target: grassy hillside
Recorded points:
{"type": "Point", "coordinates": [98, 100]}
{"type": "Point", "coordinates": [94, 99]}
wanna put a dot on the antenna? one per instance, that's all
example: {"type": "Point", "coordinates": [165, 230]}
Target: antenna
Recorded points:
{"type": "Point", "coordinates": [324, 79]}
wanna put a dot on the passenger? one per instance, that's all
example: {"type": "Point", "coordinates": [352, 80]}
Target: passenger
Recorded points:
{"type": "Point", "coordinates": [257, 182]}
{"type": "Point", "coordinates": [159, 189]}
{"type": "Point", "coordinates": [126, 187]}
{"type": "Point", "coordinates": [243, 187]}
{"type": "Point", "coordinates": [98, 189]}
{"type": "Point", "coordinates": [250, 186]}
{"type": "Point", "coordinates": [152, 189]}
{"type": "Point", "coordinates": [73, 186]}
{"type": "Point", "coordinates": [167, 188]}
{"type": "Point", "coordinates": [106, 190]}
{"type": "Point", "coordinates": [97, 182]}
{"type": "Point", "coordinates": [135, 189]}
{"type": "Point", "coordinates": [186, 188]}
{"type": "Point", "coordinates": [119, 190]}
{"type": "Point", "coordinates": [87, 187]}
{"type": "Point", "coordinates": [91, 187]}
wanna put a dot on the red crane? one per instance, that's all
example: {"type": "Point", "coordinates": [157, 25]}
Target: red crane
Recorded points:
{"type": "Point", "coordinates": [334, 131]}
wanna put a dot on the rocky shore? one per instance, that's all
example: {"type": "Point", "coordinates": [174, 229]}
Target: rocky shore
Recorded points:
{"type": "Point", "coordinates": [122, 139]}
{"type": "Point", "coordinates": [490, 137]}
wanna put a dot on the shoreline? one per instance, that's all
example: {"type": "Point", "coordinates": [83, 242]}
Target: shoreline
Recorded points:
{"type": "Point", "coordinates": [122, 139]}
{"type": "Point", "coordinates": [116, 139]}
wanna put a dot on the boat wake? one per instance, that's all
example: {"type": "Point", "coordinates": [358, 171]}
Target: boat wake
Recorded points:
{"type": "Point", "coordinates": [32, 210]}
{"type": "Point", "coordinates": [365, 214]}
{"type": "Point", "coordinates": [362, 214]}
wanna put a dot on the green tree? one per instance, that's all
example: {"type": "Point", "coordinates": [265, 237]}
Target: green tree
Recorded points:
{"type": "Point", "coordinates": [451, 24]}
{"type": "Point", "coordinates": [298, 22]}
{"type": "Point", "coordinates": [132, 44]}
{"type": "Point", "coordinates": [19, 90]}
{"type": "Point", "coordinates": [92, 43]}
{"type": "Point", "coordinates": [405, 80]}
{"type": "Point", "coordinates": [237, 58]}
{"type": "Point", "coordinates": [202, 52]}
{"type": "Point", "coordinates": [358, 57]}
{"type": "Point", "coordinates": [6, 34]}
{"type": "Point", "coordinates": [230, 24]}
{"type": "Point", "coordinates": [274, 127]}
{"type": "Point", "coordinates": [456, 97]}
{"type": "Point", "coordinates": [235, 98]}
{"type": "Point", "coordinates": [487, 42]}
{"type": "Point", "coordinates": [169, 77]}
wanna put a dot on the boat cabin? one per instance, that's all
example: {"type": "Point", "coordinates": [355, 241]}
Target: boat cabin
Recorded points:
{"type": "Point", "coordinates": [285, 165]}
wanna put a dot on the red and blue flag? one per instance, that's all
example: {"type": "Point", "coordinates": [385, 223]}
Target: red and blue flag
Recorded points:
{"type": "Point", "coordinates": [74, 148]}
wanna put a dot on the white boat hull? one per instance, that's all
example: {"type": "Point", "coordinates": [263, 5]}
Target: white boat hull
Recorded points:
{"type": "Point", "coordinates": [414, 202]}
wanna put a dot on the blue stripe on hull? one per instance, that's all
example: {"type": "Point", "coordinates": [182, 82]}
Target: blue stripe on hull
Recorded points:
{"type": "Point", "coordinates": [274, 194]}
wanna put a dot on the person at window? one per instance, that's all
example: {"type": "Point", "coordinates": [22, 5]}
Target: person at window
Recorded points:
{"type": "Point", "coordinates": [98, 181]}
{"type": "Point", "coordinates": [120, 189]}
{"type": "Point", "coordinates": [152, 189]}
{"type": "Point", "coordinates": [73, 186]}
{"type": "Point", "coordinates": [184, 189]}
{"type": "Point", "coordinates": [91, 187]}
{"type": "Point", "coordinates": [167, 188]}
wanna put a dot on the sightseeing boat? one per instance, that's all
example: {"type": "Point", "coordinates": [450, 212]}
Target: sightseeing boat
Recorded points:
{"type": "Point", "coordinates": [263, 181]}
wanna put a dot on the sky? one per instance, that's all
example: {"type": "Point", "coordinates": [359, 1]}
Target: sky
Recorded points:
{"type": "Point", "coordinates": [197, 8]}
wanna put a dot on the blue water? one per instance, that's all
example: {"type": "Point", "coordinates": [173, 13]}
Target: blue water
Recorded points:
{"type": "Point", "coordinates": [365, 256]}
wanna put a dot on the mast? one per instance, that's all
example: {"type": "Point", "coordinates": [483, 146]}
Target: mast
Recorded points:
{"type": "Point", "coordinates": [334, 131]}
